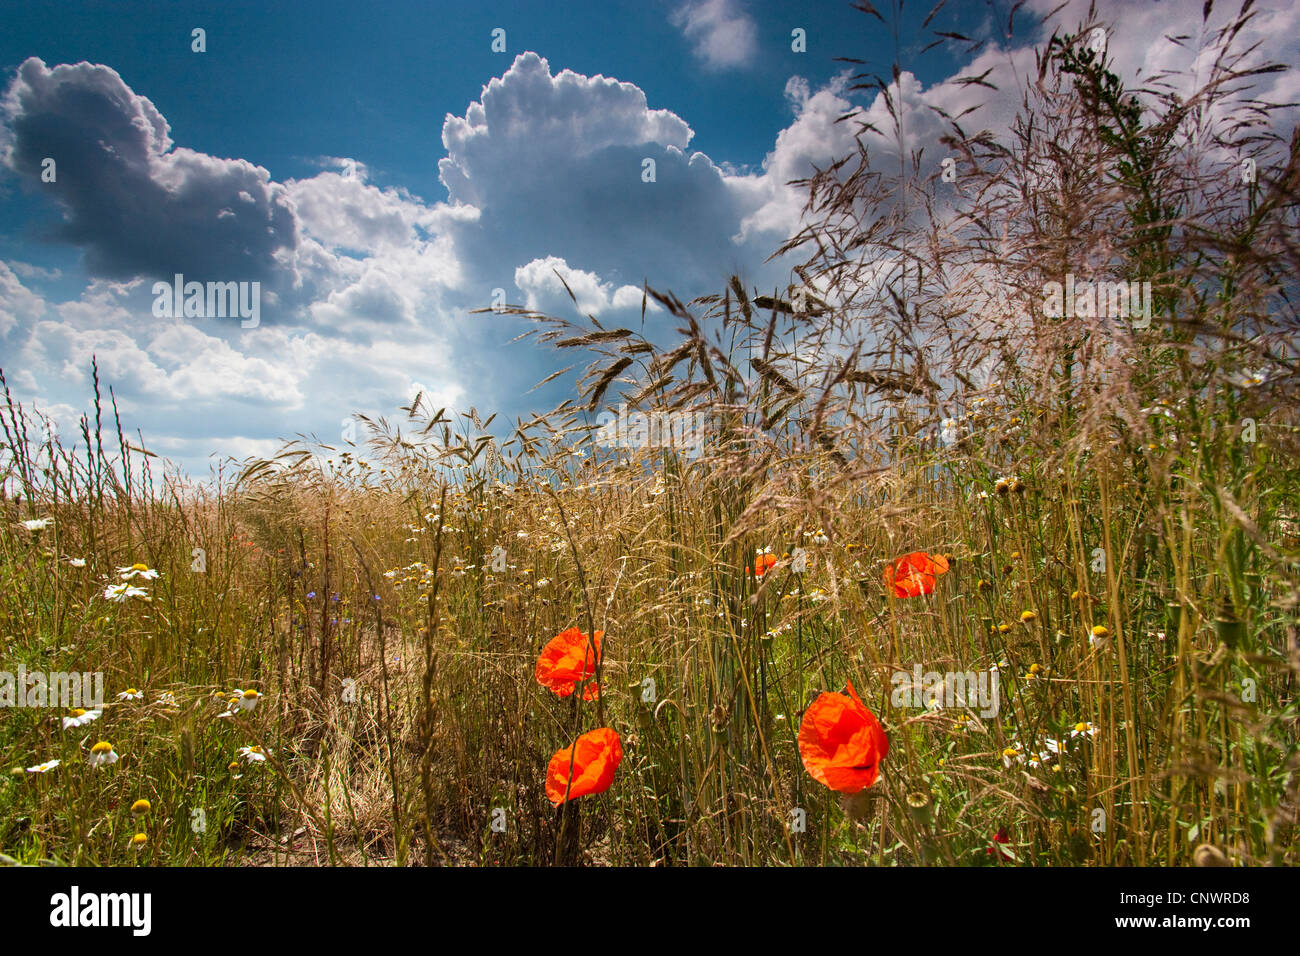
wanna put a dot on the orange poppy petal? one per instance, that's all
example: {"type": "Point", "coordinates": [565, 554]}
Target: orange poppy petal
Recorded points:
{"type": "Point", "coordinates": [590, 763]}
{"type": "Point", "coordinates": [909, 583]}
{"type": "Point", "coordinates": [842, 743]}
{"type": "Point", "coordinates": [567, 659]}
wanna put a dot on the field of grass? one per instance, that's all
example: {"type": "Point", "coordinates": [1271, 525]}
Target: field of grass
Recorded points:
{"type": "Point", "coordinates": [1118, 506]}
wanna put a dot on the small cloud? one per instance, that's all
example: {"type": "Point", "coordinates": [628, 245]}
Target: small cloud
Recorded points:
{"type": "Point", "coordinates": [28, 271]}
{"type": "Point", "coordinates": [722, 34]}
{"type": "Point", "coordinates": [540, 282]}
{"type": "Point", "coordinates": [797, 92]}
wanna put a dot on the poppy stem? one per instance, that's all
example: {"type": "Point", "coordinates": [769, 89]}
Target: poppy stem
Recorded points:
{"type": "Point", "coordinates": [586, 603]}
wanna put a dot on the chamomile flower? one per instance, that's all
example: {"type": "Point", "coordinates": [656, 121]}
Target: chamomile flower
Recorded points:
{"type": "Point", "coordinates": [1042, 759]}
{"type": "Point", "coordinates": [139, 840]}
{"type": "Point", "coordinates": [1083, 728]}
{"type": "Point", "coordinates": [167, 699]}
{"type": "Point", "coordinates": [79, 718]}
{"type": "Point", "coordinates": [140, 808]}
{"type": "Point", "coordinates": [137, 571]}
{"type": "Point", "coordinates": [102, 755]}
{"type": "Point", "coordinates": [820, 539]}
{"type": "Point", "coordinates": [1012, 754]}
{"type": "Point", "coordinates": [1099, 636]}
{"type": "Point", "coordinates": [1027, 617]}
{"type": "Point", "coordinates": [37, 524]}
{"type": "Point", "coordinates": [44, 767]}
{"type": "Point", "coordinates": [1250, 378]}
{"type": "Point", "coordinates": [248, 699]}
{"type": "Point", "coordinates": [131, 693]}
{"type": "Point", "coordinates": [77, 562]}
{"type": "Point", "coordinates": [255, 753]}
{"type": "Point", "coordinates": [118, 593]}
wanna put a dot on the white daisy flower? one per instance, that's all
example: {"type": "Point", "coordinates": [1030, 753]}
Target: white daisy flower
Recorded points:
{"type": "Point", "coordinates": [1250, 378]}
{"type": "Point", "coordinates": [102, 755]}
{"type": "Point", "coordinates": [38, 524]}
{"type": "Point", "coordinates": [77, 562]}
{"type": "Point", "coordinates": [254, 754]}
{"type": "Point", "coordinates": [118, 593]}
{"type": "Point", "coordinates": [44, 767]}
{"type": "Point", "coordinates": [137, 571]}
{"type": "Point", "coordinates": [1083, 728]}
{"type": "Point", "coordinates": [79, 718]}
{"type": "Point", "coordinates": [167, 699]}
{"type": "Point", "coordinates": [131, 694]}
{"type": "Point", "coordinates": [248, 699]}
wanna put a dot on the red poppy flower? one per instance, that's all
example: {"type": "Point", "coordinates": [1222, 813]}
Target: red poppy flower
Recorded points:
{"type": "Point", "coordinates": [567, 659]}
{"type": "Point", "coordinates": [914, 574]}
{"type": "Point", "coordinates": [590, 763]}
{"type": "Point", "coordinates": [764, 561]}
{"type": "Point", "coordinates": [1000, 837]}
{"type": "Point", "coordinates": [842, 743]}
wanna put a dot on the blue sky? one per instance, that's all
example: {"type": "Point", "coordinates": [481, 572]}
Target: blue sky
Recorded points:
{"type": "Point", "coordinates": [380, 170]}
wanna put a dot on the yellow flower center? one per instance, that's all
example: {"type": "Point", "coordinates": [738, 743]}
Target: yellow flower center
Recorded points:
{"type": "Point", "coordinates": [139, 567]}
{"type": "Point", "coordinates": [139, 807]}
{"type": "Point", "coordinates": [76, 712]}
{"type": "Point", "coordinates": [1034, 668]}
{"type": "Point", "coordinates": [1081, 727]}
{"type": "Point", "coordinates": [102, 747]}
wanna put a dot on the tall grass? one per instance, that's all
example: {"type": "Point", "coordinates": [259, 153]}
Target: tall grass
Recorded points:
{"type": "Point", "coordinates": [1132, 489]}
